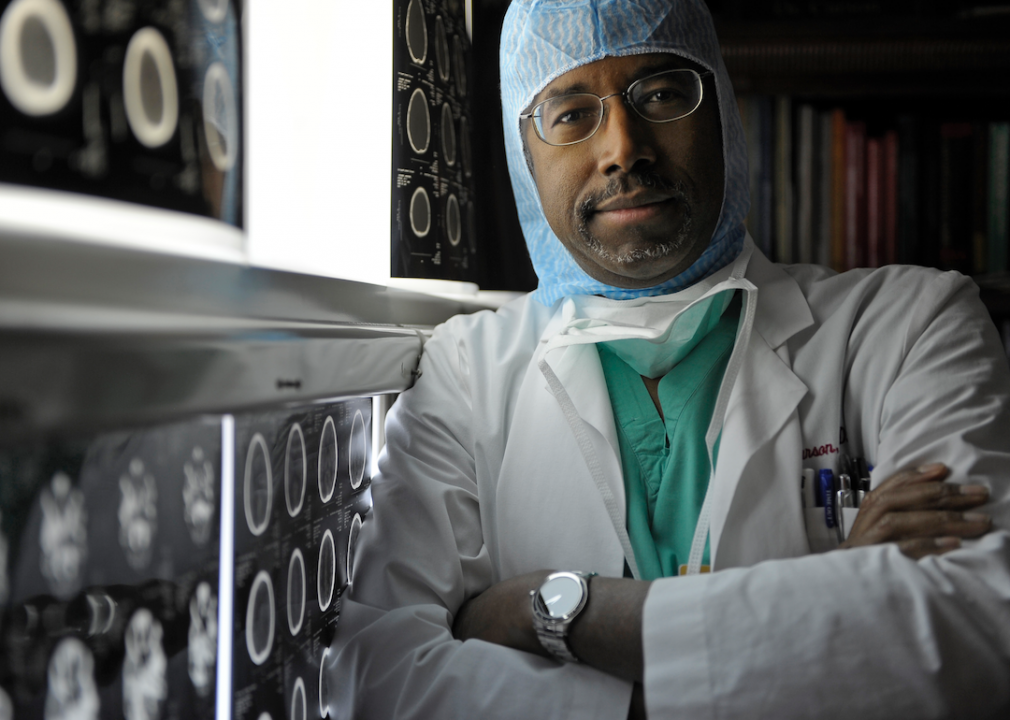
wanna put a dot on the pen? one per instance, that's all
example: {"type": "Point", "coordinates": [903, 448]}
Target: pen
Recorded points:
{"type": "Point", "coordinates": [863, 486]}
{"type": "Point", "coordinates": [826, 492]}
{"type": "Point", "coordinates": [843, 500]}
{"type": "Point", "coordinates": [807, 488]}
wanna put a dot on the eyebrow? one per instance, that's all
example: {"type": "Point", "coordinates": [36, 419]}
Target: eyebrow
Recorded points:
{"type": "Point", "coordinates": [581, 87]}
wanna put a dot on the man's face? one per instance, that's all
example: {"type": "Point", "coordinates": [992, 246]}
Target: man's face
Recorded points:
{"type": "Point", "coordinates": [637, 203]}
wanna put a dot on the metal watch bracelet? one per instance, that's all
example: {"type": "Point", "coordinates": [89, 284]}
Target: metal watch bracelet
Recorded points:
{"type": "Point", "coordinates": [553, 632]}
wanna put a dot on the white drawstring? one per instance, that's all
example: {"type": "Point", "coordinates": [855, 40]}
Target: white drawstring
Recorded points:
{"type": "Point", "coordinates": [591, 333]}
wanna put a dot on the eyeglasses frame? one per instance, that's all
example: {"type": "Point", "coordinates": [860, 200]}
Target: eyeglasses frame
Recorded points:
{"type": "Point", "coordinates": [627, 101]}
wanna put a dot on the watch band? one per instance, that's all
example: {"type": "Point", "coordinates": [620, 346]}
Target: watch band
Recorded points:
{"type": "Point", "coordinates": [553, 632]}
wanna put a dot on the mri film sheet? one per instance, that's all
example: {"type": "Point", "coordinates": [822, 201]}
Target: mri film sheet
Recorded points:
{"type": "Point", "coordinates": [302, 491]}
{"type": "Point", "coordinates": [110, 575]}
{"type": "Point", "coordinates": [133, 100]}
{"type": "Point", "coordinates": [433, 197]}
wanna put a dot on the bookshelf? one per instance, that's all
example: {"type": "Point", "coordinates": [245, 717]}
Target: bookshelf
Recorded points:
{"type": "Point", "coordinates": [878, 133]}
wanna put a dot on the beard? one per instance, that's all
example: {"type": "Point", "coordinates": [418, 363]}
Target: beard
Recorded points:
{"type": "Point", "coordinates": [625, 184]}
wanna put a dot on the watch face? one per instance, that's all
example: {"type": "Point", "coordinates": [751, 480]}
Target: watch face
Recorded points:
{"type": "Point", "coordinates": [561, 595]}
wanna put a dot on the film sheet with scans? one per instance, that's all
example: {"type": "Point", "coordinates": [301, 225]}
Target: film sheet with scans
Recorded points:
{"type": "Point", "coordinates": [110, 574]}
{"type": "Point", "coordinates": [433, 222]}
{"type": "Point", "coordinates": [133, 100]}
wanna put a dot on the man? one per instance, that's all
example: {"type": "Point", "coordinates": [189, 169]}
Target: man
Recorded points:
{"type": "Point", "coordinates": [645, 414]}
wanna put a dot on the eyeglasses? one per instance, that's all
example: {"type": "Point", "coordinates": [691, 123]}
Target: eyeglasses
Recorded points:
{"type": "Point", "coordinates": [660, 98]}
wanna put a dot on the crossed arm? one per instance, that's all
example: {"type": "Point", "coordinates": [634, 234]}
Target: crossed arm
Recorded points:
{"type": "Point", "coordinates": [915, 508]}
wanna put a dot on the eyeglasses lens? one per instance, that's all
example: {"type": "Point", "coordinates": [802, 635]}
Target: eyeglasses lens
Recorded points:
{"type": "Point", "coordinates": [664, 97]}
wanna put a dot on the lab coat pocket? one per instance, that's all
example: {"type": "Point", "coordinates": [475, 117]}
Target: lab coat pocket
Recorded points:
{"type": "Point", "coordinates": [820, 536]}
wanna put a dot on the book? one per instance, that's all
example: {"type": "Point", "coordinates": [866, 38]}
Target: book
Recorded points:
{"type": "Point", "coordinates": [889, 238]}
{"type": "Point", "coordinates": [783, 192]}
{"type": "Point", "coordinates": [908, 190]}
{"type": "Point", "coordinates": [804, 190]}
{"type": "Point", "coordinates": [824, 218]}
{"type": "Point", "coordinates": [838, 188]}
{"type": "Point", "coordinates": [956, 154]}
{"type": "Point", "coordinates": [980, 198]}
{"type": "Point", "coordinates": [766, 187]}
{"type": "Point", "coordinates": [874, 200]}
{"type": "Point", "coordinates": [999, 195]}
{"type": "Point", "coordinates": [855, 194]}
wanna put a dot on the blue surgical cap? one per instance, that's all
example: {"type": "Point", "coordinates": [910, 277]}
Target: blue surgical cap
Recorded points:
{"type": "Point", "coordinates": [542, 40]}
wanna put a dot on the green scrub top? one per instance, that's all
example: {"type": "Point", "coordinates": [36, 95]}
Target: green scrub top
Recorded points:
{"type": "Point", "coordinates": [665, 462]}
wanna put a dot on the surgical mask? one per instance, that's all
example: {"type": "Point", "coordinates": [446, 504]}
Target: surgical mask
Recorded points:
{"type": "Point", "coordinates": [652, 334]}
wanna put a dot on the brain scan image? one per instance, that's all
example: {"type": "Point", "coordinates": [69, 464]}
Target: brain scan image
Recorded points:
{"type": "Point", "coordinates": [299, 711]}
{"type": "Point", "coordinates": [327, 469]}
{"type": "Point", "coordinates": [258, 490]}
{"type": "Point", "coordinates": [198, 496]}
{"type": "Point", "coordinates": [4, 582]}
{"type": "Point", "coordinates": [144, 683]}
{"type": "Point", "coordinates": [326, 571]}
{"type": "Point", "coordinates": [138, 514]}
{"type": "Point", "coordinates": [202, 648]}
{"type": "Point", "coordinates": [63, 536]}
{"type": "Point", "coordinates": [358, 451]}
{"type": "Point", "coordinates": [71, 692]}
{"type": "Point", "coordinates": [324, 686]}
{"type": "Point", "coordinates": [295, 471]}
{"type": "Point", "coordinates": [260, 619]}
{"type": "Point", "coordinates": [296, 591]}
{"type": "Point", "coordinates": [6, 706]}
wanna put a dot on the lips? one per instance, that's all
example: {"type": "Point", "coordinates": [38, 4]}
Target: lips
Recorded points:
{"type": "Point", "coordinates": [632, 201]}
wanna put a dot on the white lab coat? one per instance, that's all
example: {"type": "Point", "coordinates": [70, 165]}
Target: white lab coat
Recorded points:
{"type": "Point", "coordinates": [483, 479]}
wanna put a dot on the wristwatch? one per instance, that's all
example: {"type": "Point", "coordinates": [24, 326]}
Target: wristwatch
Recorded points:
{"type": "Point", "coordinates": [556, 604]}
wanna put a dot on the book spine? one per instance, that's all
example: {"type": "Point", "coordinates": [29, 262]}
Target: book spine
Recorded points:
{"type": "Point", "coordinates": [839, 203]}
{"type": "Point", "coordinates": [825, 187]}
{"type": "Point", "coordinates": [956, 153]}
{"type": "Point", "coordinates": [805, 189]}
{"type": "Point", "coordinates": [890, 206]}
{"type": "Point", "coordinates": [855, 195]}
{"type": "Point", "coordinates": [752, 134]}
{"type": "Point", "coordinates": [767, 157]}
{"type": "Point", "coordinates": [783, 180]}
{"type": "Point", "coordinates": [874, 215]}
{"type": "Point", "coordinates": [999, 195]}
{"type": "Point", "coordinates": [908, 190]}
{"type": "Point", "coordinates": [980, 198]}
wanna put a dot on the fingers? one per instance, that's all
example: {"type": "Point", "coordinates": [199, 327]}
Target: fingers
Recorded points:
{"type": "Point", "coordinates": [927, 495]}
{"type": "Point", "coordinates": [910, 476]}
{"type": "Point", "coordinates": [922, 547]}
{"type": "Point", "coordinates": [921, 511]}
{"type": "Point", "coordinates": [898, 526]}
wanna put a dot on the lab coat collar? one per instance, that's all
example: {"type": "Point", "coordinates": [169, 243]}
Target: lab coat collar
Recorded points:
{"type": "Point", "coordinates": [782, 310]}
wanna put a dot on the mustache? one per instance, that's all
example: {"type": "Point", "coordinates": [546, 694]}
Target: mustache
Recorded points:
{"type": "Point", "coordinates": [628, 183]}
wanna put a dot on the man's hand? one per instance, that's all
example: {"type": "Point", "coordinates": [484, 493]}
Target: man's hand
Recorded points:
{"type": "Point", "coordinates": [921, 513]}
{"type": "Point", "coordinates": [606, 635]}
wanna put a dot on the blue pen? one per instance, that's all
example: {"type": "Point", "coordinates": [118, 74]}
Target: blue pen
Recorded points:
{"type": "Point", "coordinates": [826, 495]}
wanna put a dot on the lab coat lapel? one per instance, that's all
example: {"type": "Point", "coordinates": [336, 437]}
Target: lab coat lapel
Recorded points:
{"type": "Point", "coordinates": [752, 494]}
{"type": "Point", "coordinates": [548, 506]}
{"type": "Point", "coordinates": [578, 380]}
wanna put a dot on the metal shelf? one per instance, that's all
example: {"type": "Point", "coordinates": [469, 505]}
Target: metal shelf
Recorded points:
{"type": "Point", "coordinates": [94, 337]}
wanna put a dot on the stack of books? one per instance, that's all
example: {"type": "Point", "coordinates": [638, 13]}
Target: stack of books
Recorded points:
{"type": "Point", "coordinates": [835, 189]}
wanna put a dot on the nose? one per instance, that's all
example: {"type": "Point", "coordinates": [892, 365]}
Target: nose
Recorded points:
{"type": "Point", "coordinates": [625, 141]}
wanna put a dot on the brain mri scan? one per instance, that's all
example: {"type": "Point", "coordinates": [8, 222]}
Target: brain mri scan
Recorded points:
{"type": "Point", "coordinates": [63, 537]}
{"type": "Point", "coordinates": [198, 496]}
{"type": "Point", "coordinates": [144, 683]}
{"type": "Point", "coordinates": [138, 514]}
{"type": "Point", "coordinates": [202, 648]}
{"type": "Point", "coordinates": [71, 692]}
